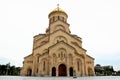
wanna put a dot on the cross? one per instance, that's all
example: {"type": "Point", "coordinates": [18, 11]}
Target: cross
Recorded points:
{"type": "Point", "coordinates": [58, 5]}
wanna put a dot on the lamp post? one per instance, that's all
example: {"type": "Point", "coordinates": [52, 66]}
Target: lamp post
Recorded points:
{"type": "Point", "coordinates": [74, 74]}
{"type": "Point", "coordinates": [8, 65]}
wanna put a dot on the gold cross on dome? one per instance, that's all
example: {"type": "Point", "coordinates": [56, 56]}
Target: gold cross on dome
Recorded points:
{"type": "Point", "coordinates": [58, 5]}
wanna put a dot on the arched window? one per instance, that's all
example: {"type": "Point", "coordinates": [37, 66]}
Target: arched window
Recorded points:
{"type": "Point", "coordinates": [49, 20]}
{"type": "Point", "coordinates": [58, 17]}
{"type": "Point", "coordinates": [59, 39]}
{"type": "Point", "coordinates": [53, 18]}
{"type": "Point", "coordinates": [64, 55]}
{"type": "Point", "coordinates": [54, 58]}
{"type": "Point", "coordinates": [61, 53]}
{"type": "Point", "coordinates": [70, 59]}
{"type": "Point", "coordinates": [37, 70]}
{"type": "Point", "coordinates": [78, 65]}
{"type": "Point", "coordinates": [37, 58]}
{"type": "Point", "coordinates": [44, 66]}
{"type": "Point", "coordinates": [59, 27]}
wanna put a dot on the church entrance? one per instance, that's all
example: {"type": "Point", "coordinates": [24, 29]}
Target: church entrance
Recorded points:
{"type": "Point", "coordinates": [29, 72]}
{"type": "Point", "coordinates": [71, 71]}
{"type": "Point", "coordinates": [62, 70]}
{"type": "Point", "coordinates": [90, 72]}
{"type": "Point", "coordinates": [53, 71]}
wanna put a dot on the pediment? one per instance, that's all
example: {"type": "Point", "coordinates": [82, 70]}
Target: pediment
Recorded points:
{"type": "Point", "coordinates": [62, 45]}
{"type": "Point", "coordinates": [29, 56]}
{"type": "Point", "coordinates": [61, 32]}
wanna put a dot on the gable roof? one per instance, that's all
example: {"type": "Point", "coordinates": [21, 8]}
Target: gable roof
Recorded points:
{"type": "Point", "coordinates": [90, 57]}
{"type": "Point", "coordinates": [62, 42]}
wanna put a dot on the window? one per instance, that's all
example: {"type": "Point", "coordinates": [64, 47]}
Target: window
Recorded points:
{"type": "Point", "coordinates": [44, 66]}
{"type": "Point", "coordinates": [58, 17]}
{"type": "Point", "coordinates": [53, 19]}
{"type": "Point", "coordinates": [37, 70]}
{"type": "Point", "coordinates": [70, 59]}
{"type": "Point", "coordinates": [54, 58]}
{"type": "Point", "coordinates": [78, 64]}
{"type": "Point", "coordinates": [62, 18]}
{"type": "Point", "coordinates": [38, 59]}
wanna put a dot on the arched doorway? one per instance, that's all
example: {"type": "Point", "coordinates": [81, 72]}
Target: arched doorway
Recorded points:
{"type": "Point", "coordinates": [90, 72]}
{"type": "Point", "coordinates": [71, 71]}
{"type": "Point", "coordinates": [62, 70]}
{"type": "Point", "coordinates": [29, 72]}
{"type": "Point", "coordinates": [53, 71]}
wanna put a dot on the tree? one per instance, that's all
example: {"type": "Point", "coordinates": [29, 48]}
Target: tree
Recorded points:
{"type": "Point", "coordinates": [108, 70]}
{"type": "Point", "coordinates": [9, 70]}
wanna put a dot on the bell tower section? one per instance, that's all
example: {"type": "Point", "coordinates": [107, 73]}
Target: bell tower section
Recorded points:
{"type": "Point", "coordinates": [58, 21]}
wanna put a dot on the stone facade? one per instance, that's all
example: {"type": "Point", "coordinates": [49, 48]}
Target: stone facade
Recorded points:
{"type": "Point", "coordinates": [58, 52]}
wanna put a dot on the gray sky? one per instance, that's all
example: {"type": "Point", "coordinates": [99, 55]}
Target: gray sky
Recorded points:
{"type": "Point", "coordinates": [97, 22]}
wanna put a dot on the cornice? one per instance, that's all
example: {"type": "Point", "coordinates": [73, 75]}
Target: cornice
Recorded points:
{"type": "Point", "coordinates": [60, 21]}
{"type": "Point", "coordinates": [66, 33]}
{"type": "Point", "coordinates": [62, 42]}
{"type": "Point", "coordinates": [54, 33]}
{"type": "Point", "coordinates": [90, 57]}
{"type": "Point", "coordinates": [27, 56]}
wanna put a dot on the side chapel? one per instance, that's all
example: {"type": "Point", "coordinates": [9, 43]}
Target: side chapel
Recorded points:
{"type": "Point", "coordinates": [58, 52]}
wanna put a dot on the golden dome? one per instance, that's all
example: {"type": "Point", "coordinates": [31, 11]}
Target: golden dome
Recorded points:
{"type": "Point", "coordinates": [58, 10]}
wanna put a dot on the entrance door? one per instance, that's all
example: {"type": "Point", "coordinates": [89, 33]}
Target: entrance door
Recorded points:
{"type": "Point", "coordinates": [29, 72]}
{"type": "Point", "coordinates": [62, 70]}
{"type": "Point", "coordinates": [71, 71]}
{"type": "Point", "coordinates": [90, 72]}
{"type": "Point", "coordinates": [53, 71]}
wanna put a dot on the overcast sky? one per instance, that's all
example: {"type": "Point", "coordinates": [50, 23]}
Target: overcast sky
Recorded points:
{"type": "Point", "coordinates": [97, 22]}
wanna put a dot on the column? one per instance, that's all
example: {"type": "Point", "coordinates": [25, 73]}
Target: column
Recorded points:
{"type": "Point", "coordinates": [68, 72]}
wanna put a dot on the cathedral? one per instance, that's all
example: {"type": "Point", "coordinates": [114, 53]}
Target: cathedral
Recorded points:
{"type": "Point", "coordinates": [58, 52]}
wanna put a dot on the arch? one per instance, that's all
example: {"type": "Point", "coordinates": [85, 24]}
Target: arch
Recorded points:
{"type": "Point", "coordinates": [79, 64]}
{"type": "Point", "coordinates": [29, 72]}
{"type": "Point", "coordinates": [58, 17]}
{"type": "Point", "coordinates": [62, 70]}
{"type": "Point", "coordinates": [44, 65]}
{"type": "Point", "coordinates": [59, 27]}
{"type": "Point", "coordinates": [54, 58]}
{"type": "Point", "coordinates": [45, 51]}
{"type": "Point", "coordinates": [59, 38]}
{"type": "Point", "coordinates": [53, 71]}
{"type": "Point", "coordinates": [37, 57]}
{"type": "Point", "coordinates": [71, 71]}
{"type": "Point", "coordinates": [61, 53]}
{"type": "Point", "coordinates": [90, 72]}
{"type": "Point", "coordinates": [70, 59]}
{"type": "Point", "coordinates": [42, 42]}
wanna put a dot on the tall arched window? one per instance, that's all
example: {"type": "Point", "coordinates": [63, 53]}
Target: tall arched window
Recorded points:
{"type": "Point", "coordinates": [53, 18]}
{"type": "Point", "coordinates": [44, 66]}
{"type": "Point", "coordinates": [62, 53]}
{"type": "Point", "coordinates": [78, 65]}
{"type": "Point", "coordinates": [62, 18]}
{"type": "Point", "coordinates": [58, 17]}
{"type": "Point", "coordinates": [37, 58]}
{"type": "Point", "coordinates": [70, 59]}
{"type": "Point", "coordinates": [54, 58]}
